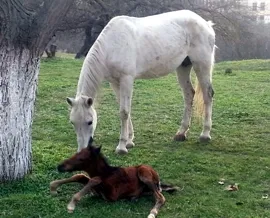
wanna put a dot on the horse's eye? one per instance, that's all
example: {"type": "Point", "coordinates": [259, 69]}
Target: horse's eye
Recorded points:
{"type": "Point", "coordinates": [89, 123]}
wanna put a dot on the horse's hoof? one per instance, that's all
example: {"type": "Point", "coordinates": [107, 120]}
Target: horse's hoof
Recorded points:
{"type": "Point", "coordinates": [151, 215]}
{"type": "Point", "coordinates": [204, 139]}
{"type": "Point", "coordinates": [180, 137]}
{"type": "Point", "coordinates": [130, 144]}
{"type": "Point", "coordinates": [121, 151]}
{"type": "Point", "coordinates": [70, 211]}
{"type": "Point", "coordinates": [70, 208]}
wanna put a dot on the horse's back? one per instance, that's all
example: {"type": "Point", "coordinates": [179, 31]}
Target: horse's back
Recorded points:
{"type": "Point", "coordinates": [175, 21]}
{"type": "Point", "coordinates": [155, 45]}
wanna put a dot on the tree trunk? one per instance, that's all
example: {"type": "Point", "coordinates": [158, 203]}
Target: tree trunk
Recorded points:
{"type": "Point", "coordinates": [87, 42]}
{"type": "Point", "coordinates": [26, 27]}
{"type": "Point", "coordinates": [51, 51]}
{"type": "Point", "coordinates": [18, 82]}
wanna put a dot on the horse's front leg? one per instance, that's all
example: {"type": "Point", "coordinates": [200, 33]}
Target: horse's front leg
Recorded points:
{"type": "Point", "coordinates": [130, 143]}
{"type": "Point", "coordinates": [116, 87]}
{"type": "Point", "coordinates": [86, 189]}
{"type": "Point", "coordinates": [126, 89]}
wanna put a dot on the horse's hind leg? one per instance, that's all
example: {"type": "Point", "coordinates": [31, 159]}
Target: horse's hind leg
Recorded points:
{"type": "Point", "coordinates": [203, 70]}
{"type": "Point", "coordinates": [151, 179]}
{"type": "Point", "coordinates": [183, 74]}
{"type": "Point", "coordinates": [116, 87]}
{"type": "Point", "coordinates": [81, 178]}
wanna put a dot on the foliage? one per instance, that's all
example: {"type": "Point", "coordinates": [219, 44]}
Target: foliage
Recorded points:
{"type": "Point", "coordinates": [239, 151]}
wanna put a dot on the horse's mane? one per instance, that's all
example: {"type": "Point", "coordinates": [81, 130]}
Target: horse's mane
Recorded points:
{"type": "Point", "coordinates": [92, 72]}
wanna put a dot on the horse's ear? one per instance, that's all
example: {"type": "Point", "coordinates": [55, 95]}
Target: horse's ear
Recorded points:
{"type": "Point", "coordinates": [89, 101]}
{"type": "Point", "coordinates": [70, 101]}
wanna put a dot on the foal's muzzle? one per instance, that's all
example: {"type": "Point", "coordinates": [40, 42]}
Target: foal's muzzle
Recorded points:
{"type": "Point", "coordinates": [61, 168]}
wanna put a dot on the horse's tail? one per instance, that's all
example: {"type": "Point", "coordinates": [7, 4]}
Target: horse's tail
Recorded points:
{"type": "Point", "coordinates": [168, 188]}
{"type": "Point", "coordinates": [198, 100]}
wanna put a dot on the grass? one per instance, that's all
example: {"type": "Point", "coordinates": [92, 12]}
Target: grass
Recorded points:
{"type": "Point", "coordinates": [239, 151]}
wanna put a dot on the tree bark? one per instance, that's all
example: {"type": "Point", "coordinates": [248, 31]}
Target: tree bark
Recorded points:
{"type": "Point", "coordinates": [18, 81]}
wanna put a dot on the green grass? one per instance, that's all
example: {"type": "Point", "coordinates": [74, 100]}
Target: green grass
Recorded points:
{"type": "Point", "coordinates": [239, 151]}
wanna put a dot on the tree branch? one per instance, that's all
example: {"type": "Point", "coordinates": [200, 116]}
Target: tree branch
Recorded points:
{"type": "Point", "coordinates": [101, 4]}
{"type": "Point", "coordinates": [47, 21]}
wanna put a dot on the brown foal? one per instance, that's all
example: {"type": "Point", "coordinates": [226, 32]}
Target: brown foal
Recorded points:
{"type": "Point", "coordinates": [111, 183]}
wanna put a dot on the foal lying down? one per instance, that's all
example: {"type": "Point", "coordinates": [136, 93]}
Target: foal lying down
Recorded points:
{"type": "Point", "coordinates": [111, 183]}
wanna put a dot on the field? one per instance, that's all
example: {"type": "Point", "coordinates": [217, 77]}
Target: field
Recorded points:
{"type": "Point", "coordinates": [238, 153]}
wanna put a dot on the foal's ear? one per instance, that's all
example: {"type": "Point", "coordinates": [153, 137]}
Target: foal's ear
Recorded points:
{"type": "Point", "coordinates": [90, 142]}
{"type": "Point", "coordinates": [98, 149]}
{"type": "Point", "coordinates": [70, 101]}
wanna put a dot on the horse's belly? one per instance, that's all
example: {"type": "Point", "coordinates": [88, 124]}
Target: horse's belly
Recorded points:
{"type": "Point", "coordinates": [152, 74]}
{"type": "Point", "coordinates": [159, 69]}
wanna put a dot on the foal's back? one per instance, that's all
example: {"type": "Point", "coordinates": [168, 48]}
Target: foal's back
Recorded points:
{"type": "Point", "coordinates": [128, 182]}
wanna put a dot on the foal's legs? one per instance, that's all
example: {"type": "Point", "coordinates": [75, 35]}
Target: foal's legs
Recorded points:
{"type": "Point", "coordinates": [126, 89]}
{"type": "Point", "coordinates": [116, 87]}
{"type": "Point", "coordinates": [87, 188]}
{"type": "Point", "coordinates": [150, 178]}
{"type": "Point", "coordinates": [183, 74]}
{"type": "Point", "coordinates": [81, 178]}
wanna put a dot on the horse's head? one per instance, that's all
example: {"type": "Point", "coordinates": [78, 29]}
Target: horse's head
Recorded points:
{"type": "Point", "coordinates": [81, 161]}
{"type": "Point", "coordinates": [83, 117]}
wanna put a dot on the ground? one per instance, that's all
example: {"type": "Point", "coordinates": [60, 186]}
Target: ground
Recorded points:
{"type": "Point", "coordinates": [238, 153]}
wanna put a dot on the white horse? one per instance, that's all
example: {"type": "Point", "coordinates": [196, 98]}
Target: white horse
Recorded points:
{"type": "Point", "coordinates": [129, 48]}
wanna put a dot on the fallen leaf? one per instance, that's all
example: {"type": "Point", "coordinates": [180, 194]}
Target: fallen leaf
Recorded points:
{"type": "Point", "coordinates": [265, 196]}
{"type": "Point", "coordinates": [232, 187]}
{"type": "Point", "coordinates": [221, 181]}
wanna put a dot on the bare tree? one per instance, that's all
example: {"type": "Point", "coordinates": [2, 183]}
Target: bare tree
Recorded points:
{"type": "Point", "coordinates": [227, 15]}
{"type": "Point", "coordinates": [26, 26]}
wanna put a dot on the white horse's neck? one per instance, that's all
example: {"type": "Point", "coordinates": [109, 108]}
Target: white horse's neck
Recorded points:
{"type": "Point", "coordinates": [92, 72]}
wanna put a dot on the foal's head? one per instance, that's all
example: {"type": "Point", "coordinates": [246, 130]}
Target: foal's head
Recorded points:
{"type": "Point", "coordinates": [83, 118]}
{"type": "Point", "coordinates": [87, 158]}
